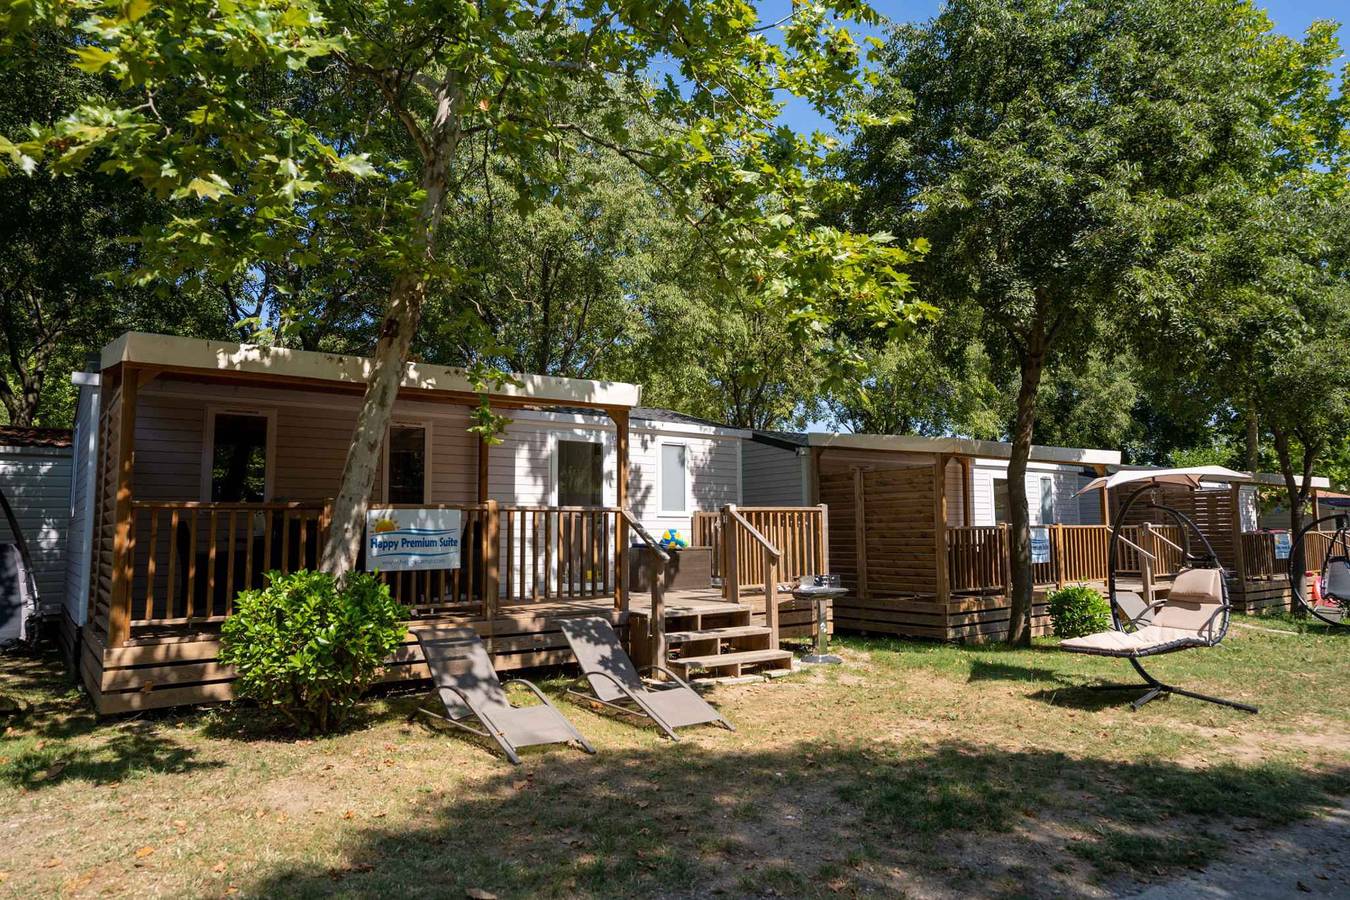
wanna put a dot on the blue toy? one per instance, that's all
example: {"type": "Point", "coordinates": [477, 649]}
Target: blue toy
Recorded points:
{"type": "Point", "coordinates": [671, 540]}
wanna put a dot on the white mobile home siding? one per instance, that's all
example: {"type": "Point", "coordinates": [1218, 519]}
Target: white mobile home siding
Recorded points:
{"type": "Point", "coordinates": [522, 469]}
{"type": "Point", "coordinates": [36, 480]}
{"type": "Point", "coordinates": [1066, 480]}
{"type": "Point", "coordinates": [773, 476]}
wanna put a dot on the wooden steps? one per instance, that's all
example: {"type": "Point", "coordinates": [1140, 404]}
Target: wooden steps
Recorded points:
{"type": "Point", "coordinates": [729, 665]}
{"type": "Point", "coordinates": [734, 631]}
{"type": "Point", "coordinates": [714, 638]}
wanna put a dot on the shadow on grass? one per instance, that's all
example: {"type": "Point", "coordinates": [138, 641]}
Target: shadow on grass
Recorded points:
{"type": "Point", "coordinates": [247, 722]}
{"type": "Point", "coordinates": [59, 738]}
{"type": "Point", "coordinates": [813, 818]}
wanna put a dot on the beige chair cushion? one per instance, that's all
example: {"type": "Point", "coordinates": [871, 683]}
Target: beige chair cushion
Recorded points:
{"type": "Point", "coordinates": [1133, 643]}
{"type": "Point", "coordinates": [1193, 603]}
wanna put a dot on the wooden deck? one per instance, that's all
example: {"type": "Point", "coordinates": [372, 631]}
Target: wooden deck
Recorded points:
{"type": "Point", "coordinates": [178, 666]}
{"type": "Point", "coordinates": [162, 670]}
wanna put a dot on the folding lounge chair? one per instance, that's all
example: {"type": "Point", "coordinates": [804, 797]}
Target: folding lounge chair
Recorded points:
{"type": "Point", "coordinates": [1194, 614]}
{"type": "Point", "coordinates": [615, 683]}
{"type": "Point", "coordinates": [468, 686]}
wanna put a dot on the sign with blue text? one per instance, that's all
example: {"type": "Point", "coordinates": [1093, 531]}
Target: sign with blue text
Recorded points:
{"type": "Point", "coordinates": [402, 540]}
{"type": "Point", "coordinates": [1040, 544]}
{"type": "Point", "coordinates": [1284, 542]}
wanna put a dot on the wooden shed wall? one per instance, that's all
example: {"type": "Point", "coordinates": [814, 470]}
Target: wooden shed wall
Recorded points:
{"type": "Point", "coordinates": [896, 531]}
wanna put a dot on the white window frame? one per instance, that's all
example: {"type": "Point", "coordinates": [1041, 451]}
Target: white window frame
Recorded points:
{"type": "Point", "coordinates": [661, 478]}
{"type": "Point", "coordinates": [209, 446]}
{"type": "Point", "coordinates": [576, 437]}
{"type": "Point", "coordinates": [425, 425]}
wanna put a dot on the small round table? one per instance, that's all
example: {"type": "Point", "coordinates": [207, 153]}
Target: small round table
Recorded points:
{"type": "Point", "coordinates": [821, 597]}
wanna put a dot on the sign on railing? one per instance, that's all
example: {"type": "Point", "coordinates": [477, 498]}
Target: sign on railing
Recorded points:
{"type": "Point", "coordinates": [406, 540]}
{"type": "Point", "coordinates": [1040, 544]}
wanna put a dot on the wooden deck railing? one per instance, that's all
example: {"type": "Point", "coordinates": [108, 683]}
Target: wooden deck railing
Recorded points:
{"type": "Point", "coordinates": [743, 541]}
{"type": "Point", "coordinates": [1080, 552]}
{"type": "Point", "coordinates": [1259, 559]}
{"type": "Point", "coordinates": [799, 533]}
{"type": "Point", "coordinates": [1317, 546]}
{"type": "Point", "coordinates": [977, 556]}
{"type": "Point", "coordinates": [190, 559]}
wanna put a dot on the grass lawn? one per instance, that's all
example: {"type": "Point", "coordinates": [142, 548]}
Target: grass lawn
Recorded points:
{"type": "Point", "coordinates": [915, 769]}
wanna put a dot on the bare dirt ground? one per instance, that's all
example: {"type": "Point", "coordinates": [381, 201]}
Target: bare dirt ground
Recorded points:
{"type": "Point", "coordinates": [1307, 859]}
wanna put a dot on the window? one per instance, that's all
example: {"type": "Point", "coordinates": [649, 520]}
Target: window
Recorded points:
{"type": "Point", "coordinates": [674, 478]}
{"type": "Point", "coordinates": [407, 464]}
{"type": "Point", "coordinates": [1047, 500]}
{"type": "Point", "coordinates": [580, 473]}
{"type": "Point", "coordinates": [1002, 502]}
{"type": "Point", "coordinates": [238, 458]}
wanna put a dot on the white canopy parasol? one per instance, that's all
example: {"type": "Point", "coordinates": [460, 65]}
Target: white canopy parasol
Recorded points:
{"type": "Point", "coordinates": [1191, 476]}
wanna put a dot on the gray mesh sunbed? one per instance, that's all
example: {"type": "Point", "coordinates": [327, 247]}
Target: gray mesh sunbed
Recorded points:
{"type": "Point", "coordinates": [616, 683]}
{"type": "Point", "coordinates": [468, 686]}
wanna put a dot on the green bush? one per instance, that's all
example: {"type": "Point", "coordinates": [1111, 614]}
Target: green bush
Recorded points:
{"type": "Point", "coordinates": [309, 648]}
{"type": "Point", "coordinates": [1078, 610]}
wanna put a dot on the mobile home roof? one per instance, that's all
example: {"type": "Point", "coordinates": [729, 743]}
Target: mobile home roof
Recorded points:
{"type": "Point", "coordinates": [908, 443]}
{"type": "Point", "coordinates": [169, 351]}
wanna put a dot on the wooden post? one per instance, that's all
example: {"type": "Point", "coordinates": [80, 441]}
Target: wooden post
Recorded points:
{"type": "Point", "coordinates": [124, 538]}
{"type": "Point", "coordinates": [731, 557]}
{"type": "Point", "coordinates": [1148, 553]}
{"type": "Point", "coordinates": [860, 531]}
{"type": "Point", "coordinates": [1057, 552]}
{"type": "Point", "coordinates": [621, 454]}
{"type": "Point", "coordinates": [815, 474]}
{"type": "Point", "coordinates": [967, 492]}
{"type": "Point", "coordinates": [824, 536]}
{"type": "Point", "coordinates": [1004, 563]}
{"type": "Point", "coordinates": [483, 454]}
{"type": "Point", "coordinates": [1235, 529]}
{"type": "Point", "coordinates": [943, 580]}
{"type": "Point", "coordinates": [771, 597]}
{"type": "Point", "coordinates": [491, 572]}
{"type": "Point", "coordinates": [657, 624]}
{"type": "Point", "coordinates": [1105, 497]}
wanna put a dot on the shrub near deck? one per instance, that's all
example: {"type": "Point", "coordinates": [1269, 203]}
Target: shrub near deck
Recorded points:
{"type": "Point", "coordinates": [1077, 611]}
{"type": "Point", "coordinates": [310, 648]}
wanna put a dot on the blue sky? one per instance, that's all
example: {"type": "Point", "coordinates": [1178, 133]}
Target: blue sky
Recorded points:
{"type": "Point", "coordinates": [1290, 17]}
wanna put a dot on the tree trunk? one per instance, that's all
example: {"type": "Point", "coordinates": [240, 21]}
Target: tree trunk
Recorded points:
{"type": "Point", "coordinates": [21, 405]}
{"type": "Point", "coordinates": [1253, 442]}
{"type": "Point", "coordinates": [1019, 625]}
{"type": "Point", "coordinates": [406, 299]}
{"type": "Point", "coordinates": [358, 474]}
{"type": "Point", "coordinates": [1294, 495]}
